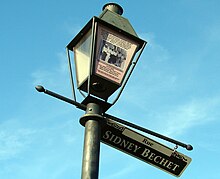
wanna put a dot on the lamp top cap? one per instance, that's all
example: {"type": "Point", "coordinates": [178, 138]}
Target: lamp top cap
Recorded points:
{"type": "Point", "coordinates": [113, 7]}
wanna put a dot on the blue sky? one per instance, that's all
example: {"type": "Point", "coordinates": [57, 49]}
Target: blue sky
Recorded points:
{"type": "Point", "coordinates": [174, 89]}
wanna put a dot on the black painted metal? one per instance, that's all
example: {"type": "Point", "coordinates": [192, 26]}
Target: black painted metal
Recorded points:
{"type": "Point", "coordinates": [83, 107]}
{"type": "Point", "coordinates": [48, 92]}
{"type": "Point", "coordinates": [91, 150]}
{"type": "Point", "coordinates": [188, 147]}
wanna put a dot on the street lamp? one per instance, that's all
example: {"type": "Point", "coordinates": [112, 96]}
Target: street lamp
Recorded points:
{"type": "Point", "coordinates": [106, 51]}
{"type": "Point", "coordinates": [104, 54]}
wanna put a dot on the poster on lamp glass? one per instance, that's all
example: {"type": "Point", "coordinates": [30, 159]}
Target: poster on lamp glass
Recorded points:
{"type": "Point", "coordinates": [113, 55]}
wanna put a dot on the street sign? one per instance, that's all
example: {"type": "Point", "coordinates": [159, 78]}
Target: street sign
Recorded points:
{"type": "Point", "coordinates": [143, 148]}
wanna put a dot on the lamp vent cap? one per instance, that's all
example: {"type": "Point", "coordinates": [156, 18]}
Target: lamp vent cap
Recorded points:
{"type": "Point", "coordinates": [113, 7]}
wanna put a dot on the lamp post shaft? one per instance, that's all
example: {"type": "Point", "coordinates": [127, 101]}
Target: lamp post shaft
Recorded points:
{"type": "Point", "coordinates": [91, 150]}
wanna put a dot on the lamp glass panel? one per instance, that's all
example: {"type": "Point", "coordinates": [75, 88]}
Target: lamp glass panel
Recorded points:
{"type": "Point", "coordinates": [82, 54]}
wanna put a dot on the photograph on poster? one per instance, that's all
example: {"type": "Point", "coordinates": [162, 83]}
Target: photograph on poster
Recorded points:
{"type": "Point", "coordinates": [112, 54]}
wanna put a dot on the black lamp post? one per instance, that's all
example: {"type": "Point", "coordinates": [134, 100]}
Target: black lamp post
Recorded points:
{"type": "Point", "coordinates": [104, 52]}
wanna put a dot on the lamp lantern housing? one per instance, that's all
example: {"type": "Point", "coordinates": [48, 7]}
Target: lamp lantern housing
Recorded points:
{"type": "Point", "coordinates": [103, 52]}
